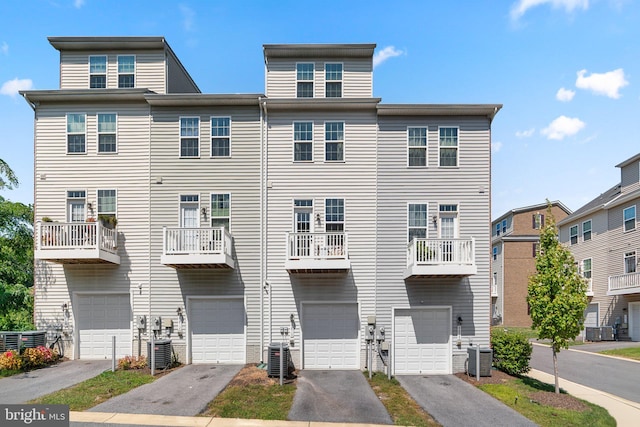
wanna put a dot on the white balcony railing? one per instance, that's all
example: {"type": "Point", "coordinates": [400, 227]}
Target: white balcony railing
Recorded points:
{"type": "Point", "coordinates": [197, 246]}
{"type": "Point", "coordinates": [624, 284]}
{"type": "Point", "coordinates": [441, 257]}
{"type": "Point", "coordinates": [317, 251]}
{"type": "Point", "coordinates": [71, 241]}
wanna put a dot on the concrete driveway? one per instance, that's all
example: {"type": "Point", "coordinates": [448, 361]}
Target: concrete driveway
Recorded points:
{"type": "Point", "coordinates": [336, 396]}
{"type": "Point", "coordinates": [185, 391]}
{"type": "Point", "coordinates": [453, 402]}
{"type": "Point", "coordinates": [29, 385]}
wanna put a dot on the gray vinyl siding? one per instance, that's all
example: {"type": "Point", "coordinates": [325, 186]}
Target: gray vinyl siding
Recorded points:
{"type": "Point", "coordinates": [178, 81]}
{"type": "Point", "coordinates": [149, 73]}
{"type": "Point", "coordinates": [497, 270]}
{"type": "Point", "coordinates": [630, 176]}
{"type": "Point", "coordinates": [356, 77]}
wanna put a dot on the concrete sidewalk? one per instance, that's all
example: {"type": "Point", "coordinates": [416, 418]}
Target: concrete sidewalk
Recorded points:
{"type": "Point", "coordinates": [626, 412]}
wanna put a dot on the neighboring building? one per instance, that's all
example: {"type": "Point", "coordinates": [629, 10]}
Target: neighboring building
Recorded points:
{"type": "Point", "coordinates": [314, 208]}
{"type": "Point", "coordinates": [515, 244]}
{"type": "Point", "coordinates": [603, 237]}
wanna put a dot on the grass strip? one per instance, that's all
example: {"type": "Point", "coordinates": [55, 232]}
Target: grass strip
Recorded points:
{"type": "Point", "coordinates": [9, 372]}
{"type": "Point", "coordinates": [253, 401]}
{"type": "Point", "coordinates": [629, 353]}
{"type": "Point", "coordinates": [96, 390]}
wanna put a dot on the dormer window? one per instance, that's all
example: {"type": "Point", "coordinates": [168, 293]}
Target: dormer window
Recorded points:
{"type": "Point", "coordinates": [126, 71]}
{"type": "Point", "coordinates": [97, 72]}
{"type": "Point", "coordinates": [304, 79]}
{"type": "Point", "coordinates": [333, 80]}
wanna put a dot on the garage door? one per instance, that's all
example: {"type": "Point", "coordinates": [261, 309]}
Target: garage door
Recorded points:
{"type": "Point", "coordinates": [330, 333]}
{"type": "Point", "coordinates": [100, 317]}
{"type": "Point", "coordinates": [634, 324]}
{"type": "Point", "coordinates": [422, 341]}
{"type": "Point", "coordinates": [217, 330]}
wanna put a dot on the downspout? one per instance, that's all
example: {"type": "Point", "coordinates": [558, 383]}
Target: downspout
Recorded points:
{"type": "Point", "coordinates": [262, 221]}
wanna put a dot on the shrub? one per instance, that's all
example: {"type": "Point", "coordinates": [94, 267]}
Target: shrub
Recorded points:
{"type": "Point", "coordinates": [11, 360]}
{"type": "Point", "coordinates": [132, 362]}
{"type": "Point", "coordinates": [511, 351]}
{"type": "Point", "coordinates": [38, 357]}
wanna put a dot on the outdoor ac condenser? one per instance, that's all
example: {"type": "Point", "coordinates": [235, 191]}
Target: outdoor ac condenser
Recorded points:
{"type": "Point", "coordinates": [273, 365]}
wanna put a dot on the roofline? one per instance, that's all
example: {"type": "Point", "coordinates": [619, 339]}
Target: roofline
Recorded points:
{"type": "Point", "coordinates": [322, 104]}
{"type": "Point", "coordinates": [196, 100]}
{"type": "Point", "coordinates": [531, 208]}
{"type": "Point", "coordinates": [353, 50]}
{"type": "Point", "coordinates": [107, 43]}
{"type": "Point", "coordinates": [487, 110]}
{"type": "Point", "coordinates": [34, 97]}
{"type": "Point", "coordinates": [628, 161]}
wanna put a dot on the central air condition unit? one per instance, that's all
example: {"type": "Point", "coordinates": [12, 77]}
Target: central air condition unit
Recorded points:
{"type": "Point", "coordinates": [486, 356]}
{"type": "Point", "coordinates": [606, 333]}
{"type": "Point", "coordinates": [25, 339]}
{"type": "Point", "coordinates": [9, 341]}
{"type": "Point", "coordinates": [273, 365]}
{"type": "Point", "coordinates": [592, 334]}
{"type": "Point", "coordinates": [162, 350]}
{"type": "Point", "coordinates": [33, 339]}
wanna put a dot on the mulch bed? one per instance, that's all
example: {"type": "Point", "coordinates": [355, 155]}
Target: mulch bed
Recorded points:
{"type": "Point", "coordinates": [252, 375]}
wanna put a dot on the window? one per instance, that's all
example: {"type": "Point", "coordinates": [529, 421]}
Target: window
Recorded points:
{"type": "Point", "coordinates": [586, 231]}
{"type": "Point", "coordinates": [303, 141]}
{"type": "Point", "coordinates": [586, 268]}
{"type": "Point", "coordinates": [535, 249]}
{"type": "Point", "coordinates": [304, 77]}
{"type": "Point", "coordinates": [126, 71]}
{"type": "Point", "coordinates": [189, 137]}
{"type": "Point", "coordinates": [538, 221]}
{"type": "Point", "coordinates": [334, 141]}
{"type": "Point", "coordinates": [417, 146]}
{"type": "Point", "coordinates": [495, 253]}
{"type": "Point", "coordinates": [498, 229]}
{"type": "Point", "coordinates": [107, 203]}
{"type": "Point", "coordinates": [504, 226]}
{"type": "Point", "coordinates": [76, 205]}
{"type": "Point", "coordinates": [220, 210]}
{"type": "Point", "coordinates": [76, 133]}
{"type": "Point", "coordinates": [220, 136]}
{"type": "Point", "coordinates": [629, 215]}
{"type": "Point", "coordinates": [107, 133]}
{"type": "Point", "coordinates": [630, 262]}
{"type": "Point", "coordinates": [334, 215]}
{"type": "Point", "coordinates": [573, 234]}
{"type": "Point", "coordinates": [417, 221]}
{"type": "Point", "coordinates": [448, 146]}
{"type": "Point", "coordinates": [97, 72]}
{"type": "Point", "coordinates": [333, 80]}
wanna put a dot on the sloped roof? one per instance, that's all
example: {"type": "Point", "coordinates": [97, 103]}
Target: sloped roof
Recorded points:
{"type": "Point", "coordinates": [595, 204]}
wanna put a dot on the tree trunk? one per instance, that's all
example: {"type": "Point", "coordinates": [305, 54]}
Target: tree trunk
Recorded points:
{"type": "Point", "coordinates": [555, 368]}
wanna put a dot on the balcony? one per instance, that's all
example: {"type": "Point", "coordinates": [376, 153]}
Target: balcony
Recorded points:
{"type": "Point", "coordinates": [76, 243]}
{"type": "Point", "coordinates": [440, 258]}
{"type": "Point", "coordinates": [317, 253]}
{"type": "Point", "coordinates": [589, 287]}
{"type": "Point", "coordinates": [197, 248]}
{"type": "Point", "coordinates": [624, 284]}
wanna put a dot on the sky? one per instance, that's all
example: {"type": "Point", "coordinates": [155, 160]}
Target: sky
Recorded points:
{"type": "Point", "coordinates": [566, 71]}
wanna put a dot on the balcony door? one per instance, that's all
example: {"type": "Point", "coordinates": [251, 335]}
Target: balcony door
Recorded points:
{"type": "Point", "coordinates": [448, 230]}
{"type": "Point", "coordinates": [303, 227]}
{"type": "Point", "coordinates": [76, 212]}
{"type": "Point", "coordinates": [190, 220]}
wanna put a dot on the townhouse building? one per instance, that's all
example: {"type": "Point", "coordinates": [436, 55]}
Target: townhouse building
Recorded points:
{"type": "Point", "coordinates": [515, 241]}
{"type": "Point", "coordinates": [313, 213]}
{"type": "Point", "coordinates": [603, 237]}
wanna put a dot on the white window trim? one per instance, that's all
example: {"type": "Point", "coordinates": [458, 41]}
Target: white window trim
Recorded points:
{"type": "Point", "coordinates": [106, 70]}
{"type": "Point", "coordinates": [180, 138]}
{"type": "Point", "coordinates": [590, 230]}
{"type": "Point", "coordinates": [102, 153]}
{"type": "Point", "coordinates": [135, 70]}
{"type": "Point", "coordinates": [344, 214]}
{"type": "Point", "coordinates": [211, 137]}
{"type": "Point", "coordinates": [456, 222]}
{"type": "Point", "coordinates": [418, 202]}
{"type": "Point", "coordinates": [313, 80]}
{"type": "Point", "coordinates": [582, 269]}
{"type": "Point", "coordinates": [211, 212]}
{"type": "Point", "coordinates": [293, 212]}
{"type": "Point", "coordinates": [66, 133]}
{"type": "Point", "coordinates": [96, 208]}
{"type": "Point", "coordinates": [86, 203]}
{"type": "Point", "coordinates": [324, 75]}
{"type": "Point", "coordinates": [426, 147]}
{"type": "Point", "coordinates": [635, 219]}
{"type": "Point", "coordinates": [324, 148]}
{"type": "Point", "coordinates": [293, 144]}
{"type": "Point", "coordinates": [577, 227]}
{"type": "Point", "coordinates": [457, 147]}
{"type": "Point", "coordinates": [624, 260]}
{"type": "Point", "coordinates": [180, 207]}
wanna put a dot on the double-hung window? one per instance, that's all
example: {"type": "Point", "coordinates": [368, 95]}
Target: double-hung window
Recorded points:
{"type": "Point", "coordinates": [417, 146]}
{"type": "Point", "coordinates": [586, 231]}
{"type": "Point", "coordinates": [334, 215]}
{"type": "Point", "coordinates": [417, 221]}
{"type": "Point", "coordinates": [126, 71]}
{"type": "Point", "coordinates": [106, 203]}
{"type": "Point", "coordinates": [97, 72]}
{"type": "Point", "coordinates": [573, 234]}
{"type": "Point", "coordinates": [221, 210]}
{"type": "Point", "coordinates": [220, 136]}
{"type": "Point", "coordinates": [334, 141]}
{"type": "Point", "coordinates": [630, 262]}
{"type": "Point", "coordinates": [333, 80]}
{"type": "Point", "coordinates": [107, 132]}
{"type": "Point", "coordinates": [303, 141]}
{"type": "Point", "coordinates": [538, 221]}
{"type": "Point", "coordinates": [629, 215]}
{"type": "Point", "coordinates": [495, 253]}
{"type": "Point", "coordinates": [504, 226]}
{"type": "Point", "coordinates": [304, 80]}
{"type": "Point", "coordinates": [535, 249]}
{"type": "Point", "coordinates": [189, 136]}
{"type": "Point", "coordinates": [76, 133]}
{"type": "Point", "coordinates": [448, 146]}
{"type": "Point", "coordinates": [498, 229]}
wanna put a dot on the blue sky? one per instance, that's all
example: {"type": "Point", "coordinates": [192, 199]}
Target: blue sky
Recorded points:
{"type": "Point", "coordinates": [567, 71]}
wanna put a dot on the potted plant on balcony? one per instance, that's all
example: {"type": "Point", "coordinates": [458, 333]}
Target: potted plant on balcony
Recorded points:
{"type": "Point", "coordinates": [108, 221]}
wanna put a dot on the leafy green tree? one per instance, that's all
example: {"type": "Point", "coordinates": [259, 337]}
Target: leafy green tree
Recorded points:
{"type": "Point", "coordinates": [556, 293]}
{"type": "Point", "coordinates": [8, 178]}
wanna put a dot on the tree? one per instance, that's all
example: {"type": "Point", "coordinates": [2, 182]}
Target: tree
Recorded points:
{"type": "Point", "coordinates": [8, 178]}
{"type": "Point", "coordinates": [556, 293]}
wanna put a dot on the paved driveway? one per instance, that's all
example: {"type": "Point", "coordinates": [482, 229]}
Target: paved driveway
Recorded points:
{"type": "Point", "coordinates": [29, 385]}
{"type": "Point", "coordinates": [336, 396]}
{"type": "Point", "coordinates": [185, 391]}
{"type": "Point", "coordinates": [453, 402]}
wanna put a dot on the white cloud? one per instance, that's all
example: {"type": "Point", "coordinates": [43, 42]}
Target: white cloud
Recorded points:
{"type": "Point", "coordinates": [561, 127]}
{"type": "Point", "coordinates": [496, 146]}
{"type": "Point", "coordinates": [384, 54]}
{"type": "Point", "coordinates": [188, 17]}
{"type": "Point", "coordinates": [4, 48]}
{"type": "Point", "coordinates": [525, 133]}
{"type": "Point", "coordinates": [608, 84]}
{"type": "Point", "coordinates": [521, 7]}
{"type": "Point", "coordinates": [11, 87]}
{"type": "Point", "coordinates": [565, 95]}
{"type": "Point", "coordinates": [78, 3]}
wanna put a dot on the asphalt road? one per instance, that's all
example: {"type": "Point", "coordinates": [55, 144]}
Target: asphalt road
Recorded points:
{"type": "Point", "coordinates": [614, 376]}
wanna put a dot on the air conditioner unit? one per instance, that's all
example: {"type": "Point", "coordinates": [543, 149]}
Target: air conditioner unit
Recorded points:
{"type": "Point", "coordinates": [486, 358]}
{"type": "Point", "coordinates": [33, 339]}
{"type": "Point", "coordinates": [606, 333]}
{"type": "Point", "coordinates": [592, 334]}
{"type": "Point", "coordinates": [162, 350]}
{"type": "Point", "coordinates": [9, 341]}
{"type": "Point", "coordinates": [273, 365]}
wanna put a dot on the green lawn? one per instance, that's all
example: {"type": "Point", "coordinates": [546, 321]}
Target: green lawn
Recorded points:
{"type": "Point", "coordinates": [528, 332]}
{"type": "Point", "coordinates": [253, 401]}
{"type": "Point", "coordinates": [629, 353]}
{"type": "Point", "coordinates": [8, 372]}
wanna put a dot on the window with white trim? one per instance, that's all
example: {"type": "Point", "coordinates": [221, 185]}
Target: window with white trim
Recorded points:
{"type": "Point", "coordinates": [448, 146]}
{"type": "Point", "coordinates": [107, 125]}
{"type": "Point", "coordinates": [586, 268]}
{"type": "Point", "coordinates": [334, 215]}
{"type": "Point", "coordinates": [538, 221]}
{"type": "Point", "coordinates": [76, 205]}
{"type": "Point", "coordinates": [629, 216]}
{"type": "Point", "coordinates": [504, 226]}
{"type": "Point", "coordinates": [106, 203]}
{"type": "Point", "coordinates": [333, 80]}
{"type": "Point", "coordinates": [220, 136]}
{"type": "Point", "coordinates": [76, 133]}
{"type": "Point", "coordinates": [97, 72]}
{"type": "Point", "coordinates": [303, 141]}
{"type": "Point", "coordinates": [221, 210]}
{"type": "Point", "coordinates": [586, 231]}
{"type": "Point", "coordinates": [573, 234]}
{"type": "Point", "coordinates": [126, 71]}
{"type": "Point", "coordinates": [495, 253]}
{"type": "Point", "coordinates": [304, 80]}
{"type": "Point", "coordinates": [630, 262]}
{"type": "Point", "coordinates": [535, 250]}
{"type": "Point", "coordinates": [417, 146]}
{"type": "Point", "coordinates": [417, 221]}
{"type": "Point", "coordinates": [189, 136]}
{"type": "Point", "coordinates": [498, 229]}
{"type": "Point", "coordinates": [334, 141]}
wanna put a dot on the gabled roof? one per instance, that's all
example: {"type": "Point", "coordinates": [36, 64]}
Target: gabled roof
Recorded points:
{"type": "Point", "coordinates": [537, 207]}
{"type": "Point", "coordinates": [629, 161]}
{"type": "Point", "coordinates": [594, 205]}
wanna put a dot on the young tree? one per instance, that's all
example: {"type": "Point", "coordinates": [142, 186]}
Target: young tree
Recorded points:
{"type": "Point", "coordinates": [8, 178]}
{"type": "Point", "coordinates": [556, 293]}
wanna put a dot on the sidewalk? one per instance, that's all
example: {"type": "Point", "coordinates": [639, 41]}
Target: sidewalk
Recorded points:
{"type": "Point", "coordinates": [625, 412]}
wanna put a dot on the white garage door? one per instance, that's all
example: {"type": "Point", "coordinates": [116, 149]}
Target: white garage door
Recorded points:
{"type": "Point", "coordinates": [422, 341]}
{"type": "Point", "coordinates": [100, 317]}
{"type": "Point", "coordinates": [217, 330]}
{"type": "Point", "coordinates": [330, 333]}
